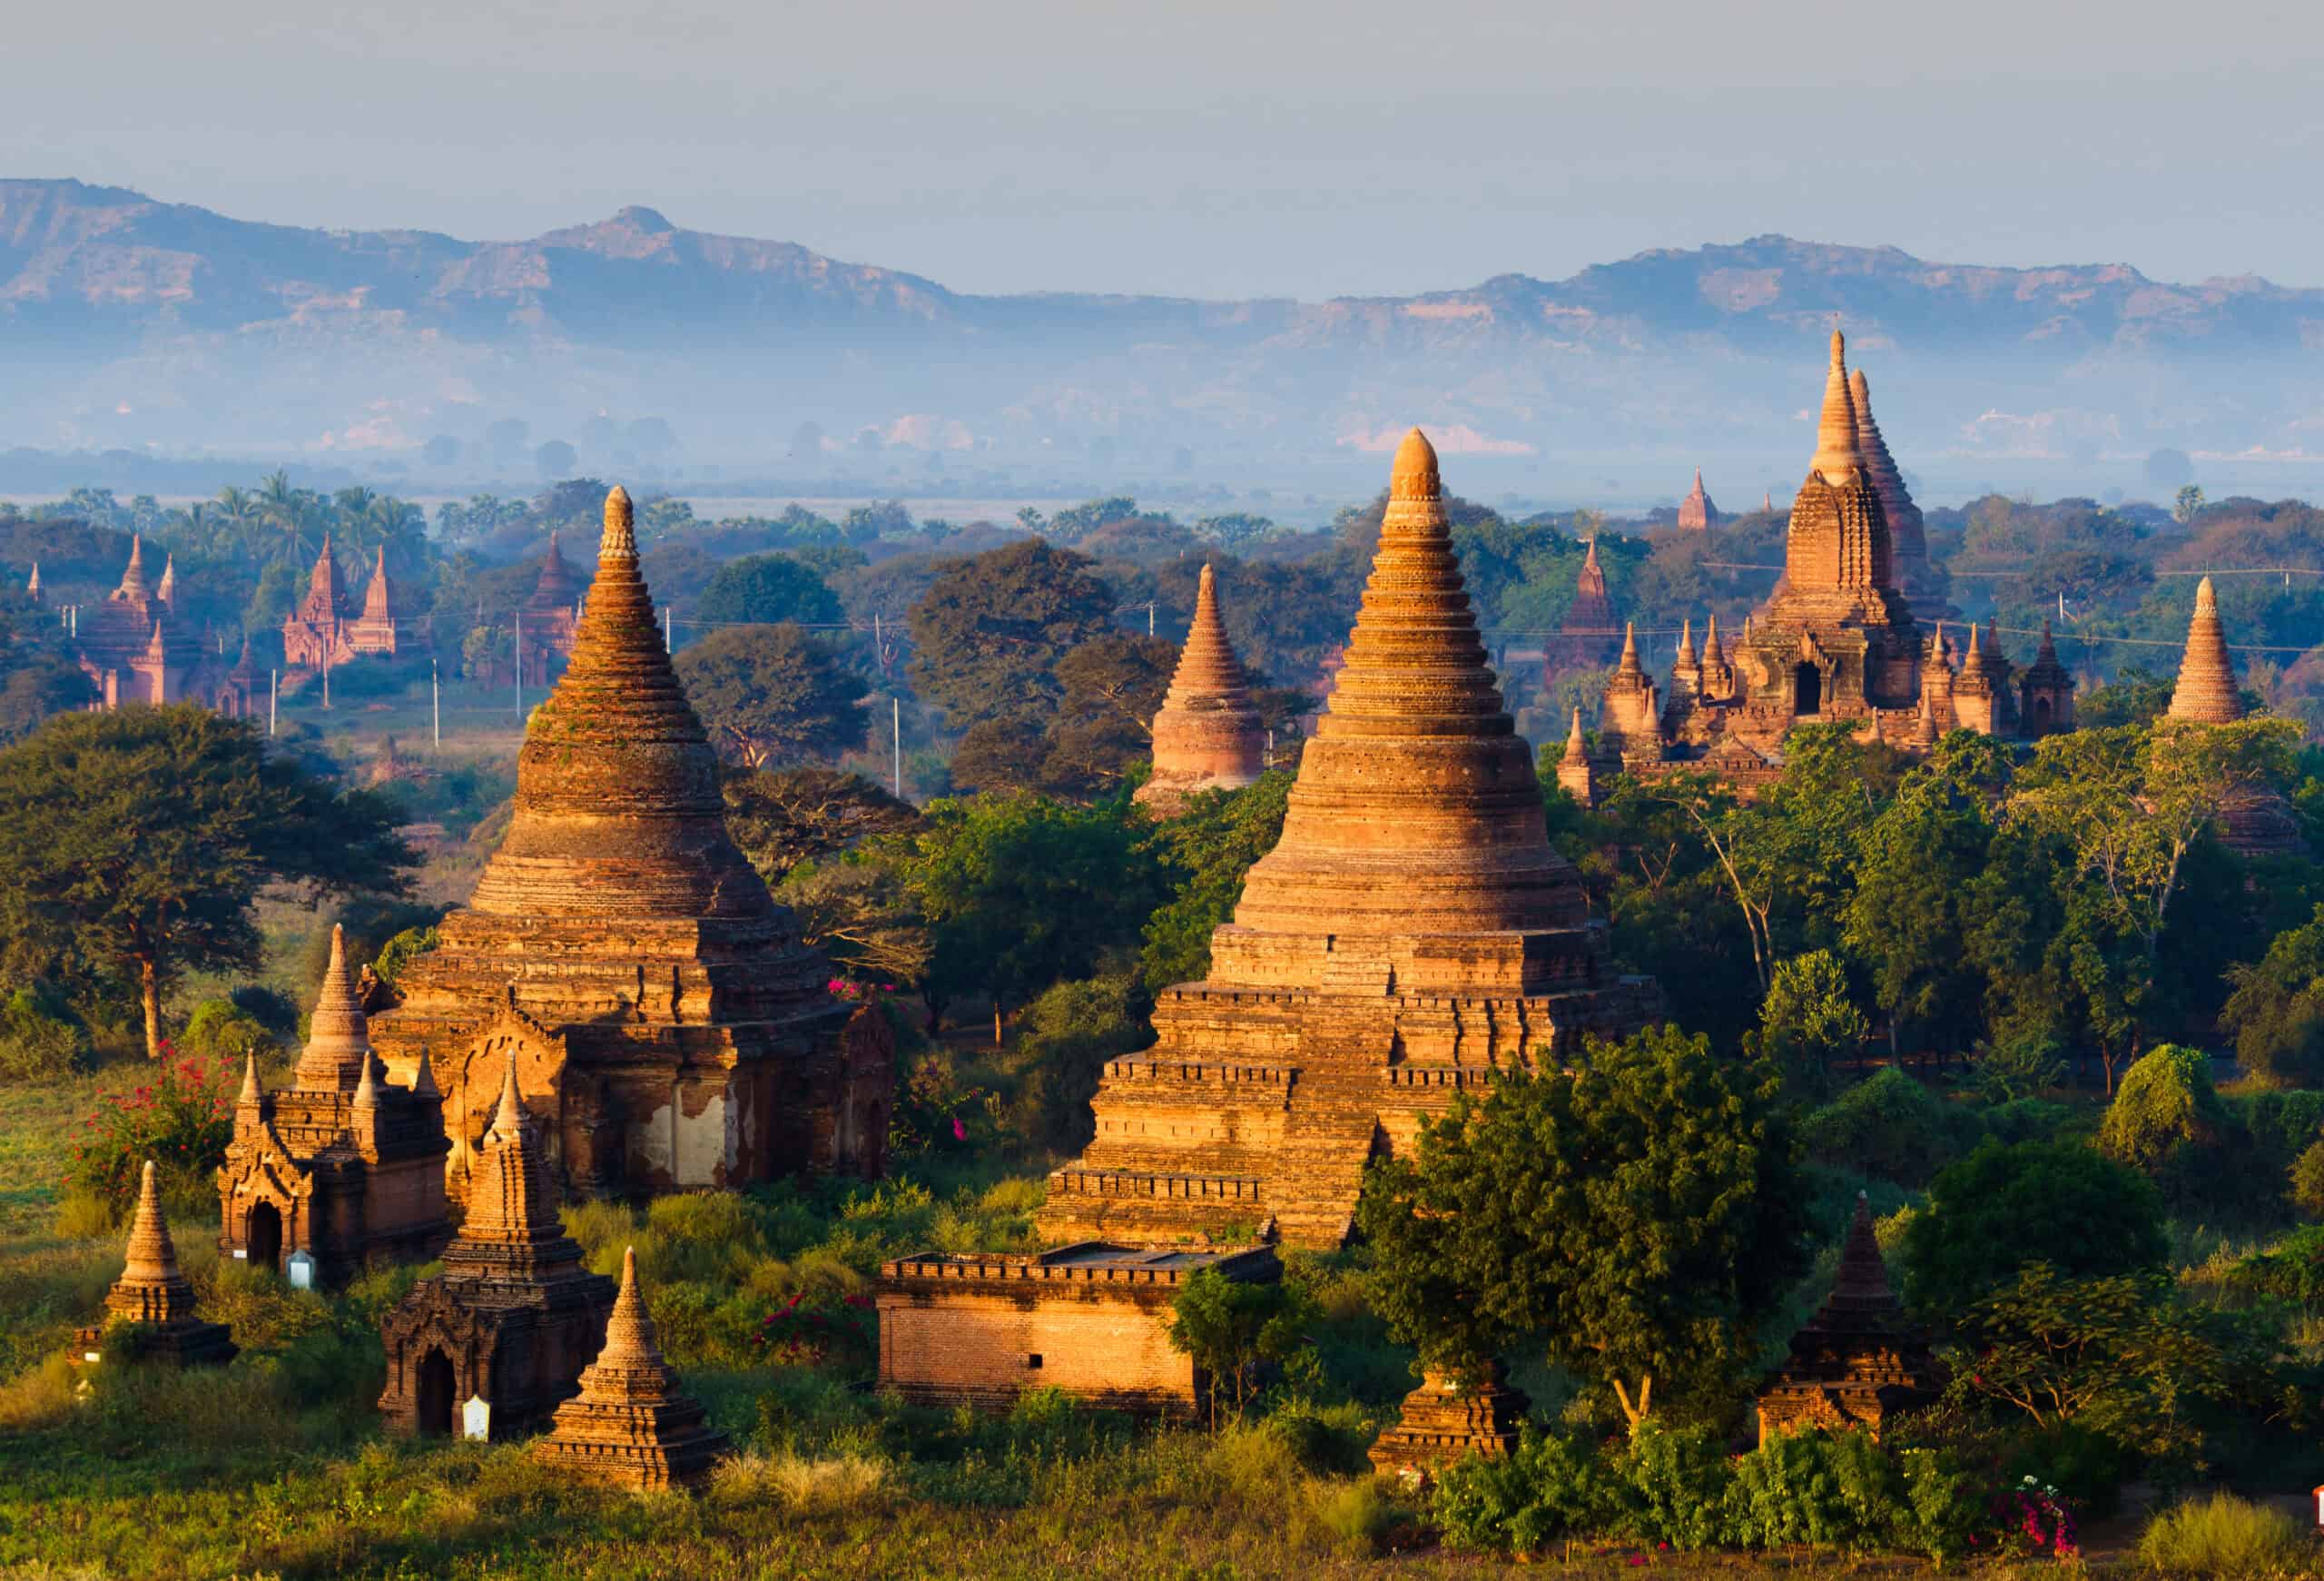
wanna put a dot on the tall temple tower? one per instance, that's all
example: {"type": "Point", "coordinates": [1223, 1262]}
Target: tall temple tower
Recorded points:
{"type": "Point", "coordinates": [1907, 532]}
{"type": "Point", "coordinates": [1836, 639]}
{"type": "Point", "coordinates": [1587, 637]}
{"type": "Point", "coordinates": [1695, 512]}
{"type": "Point", "coordinates": [1208, 734]}
{"type": "Point", "coordinates": [669, 1028]}
{"type": "Point", "coordinates": [1411, 933]}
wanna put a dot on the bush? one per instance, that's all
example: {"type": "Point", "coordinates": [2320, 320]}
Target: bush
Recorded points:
{"type": "Point", "coordinates": [400, 951]}
{"type": "Point", "coordinates": [1829, 1490]}
{"type": "Point", "coordinates": [220, 1029]}
{"type": "Point", "coordinates": [2307, 1192]}
{"type": "Point", "coordinates": [40, 1037]}
{"type": "Point", "coordinates": [2019, 1066]}
{"type": "Point", "coordinates": [1552, 1487]}
{"type": "Point", "coordinates": [2001, 1207]}
{"type": "Point", "coordinates": [1891, 1127]}
{"type": "Point", "coordinates": [1069, 1034]}
{"type": "Point", "coordinates": [2085, 1464]}
{"type": "Point", "coordinates": [270, 1008]}
{"type": "Point", "coordinates": [1675, 1483]}
{"type": "Point", "coordinates": [2027, 1119]}
{"type": "Point", "coordinates": [2165, 1106]}
{"type": "Point", "coordinates": [181, 1120]}
{"type": "Point", "coordinates": [2224, 1536]}
{"type": "Point", "coordinates": [2290, 1271]}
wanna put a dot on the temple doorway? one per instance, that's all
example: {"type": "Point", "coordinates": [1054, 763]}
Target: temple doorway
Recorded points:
{"type": "Point", "coordinates": [1807, 691]}
{"type": "Point", "coordinates": [263, 1238]}
{"type": "Point", "coordinates": [871, 1138]}
{"type": "Point", "coordinates": [435, 1418]}
{"type": "Point", "coordinates": [2041, 715]}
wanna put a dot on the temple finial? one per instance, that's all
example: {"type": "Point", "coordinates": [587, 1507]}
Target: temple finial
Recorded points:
{"type": "Point", "coordinates": [620, 541]}
{"type": "Point", "coordinates": [1414, 475]}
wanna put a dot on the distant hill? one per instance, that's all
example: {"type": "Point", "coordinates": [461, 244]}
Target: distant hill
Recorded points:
{"type": "Point", "coordinates": [130, 321]}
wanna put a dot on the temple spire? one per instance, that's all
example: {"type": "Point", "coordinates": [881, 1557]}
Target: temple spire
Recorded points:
{"type": "Point", "coordinates": [251, 1091]}
{"type": "Point", "coordinates": [133, 576]}
{"type": "Point", "coordinates": [1836, 452]}
{"type": "Point", "coordinates": [1628, 664]}
{"type": "Point", "coordinates": [168, 591]}
{"type": "Point", "coordinates": [2206, 693]}
{"type": "Point", "coordinates": [1576, 750]}
{"type": "Point", "coordinates": [339, 1047]}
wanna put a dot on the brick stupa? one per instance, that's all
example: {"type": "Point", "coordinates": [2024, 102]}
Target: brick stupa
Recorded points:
{"type": "Point", "coordinates": [343, 1164]}
{"type": "Point", "coordinates": [1410, 933]}
{"type": "Point", "coordinates": [154, 1299]}
{"type": "Point", "coordinates": [1587, 634]}
{"type": "Point", "coordinates": [1447, 1418]}
{"type": "Point", "coordinates": [1208, 734]}
{"type": "Point", "coordinates": [670, 1029]}
{"type": "Point", "coordinates": [2206, 693]}
{"type": "Point", "coordinates": [515, 1316]}
{"type": "Point", "coordinates": [1857, 1362]}
{"type": "Point", "coordinates": [1695, 511]}
{"type": "Point", "coordinates": [629, 1427]}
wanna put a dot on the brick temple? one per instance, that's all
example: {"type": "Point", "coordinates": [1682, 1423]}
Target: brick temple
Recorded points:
{"type": "Point", "coordinates": [325, 630]}
{"type": "Point", "coordinates": [2255, 821]}
{"type": "Point", "coordinates": [628, 1425]}
{"type": "Point", "coordinates": [1857, 1362]}
{"type": "Point", "coordinates": [669, 1029]}
{"type": "Point", "coordinates": [1092, 1320]}
{"type": "Point", "coordinates": [1447, 1418]}
{"type": "Point", "coordinates": [1695, 511]}
{"type": "Point", "coordinates": [153, 1297]}
{"type": "Point", "coordinates": [343, 1165]}
{"type": "Point", "coordinates": [515, 1316]}
{"type": "Point", "coordinates": [1410, 933]}
{"type": "Point", "coordinates": [1208, 734]}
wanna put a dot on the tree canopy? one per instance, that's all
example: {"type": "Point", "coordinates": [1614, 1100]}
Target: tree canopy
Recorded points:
{"type": "Point", "coordinates": [989, 633]}
{"type": "Point", "coordinates": [765, 588]}
{"type": "Point", "coordinates": [772, 694]}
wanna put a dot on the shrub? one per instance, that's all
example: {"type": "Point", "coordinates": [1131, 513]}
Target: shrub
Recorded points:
{"type": "Point", "coordinates": [40, 1037]}
{"type": "Point", "coordinates": [2085, 1464]}
{"type": "Point", "coordinates": [807, 1485]}
{"type": "Point", "coordinates": [1890, 1126]}
{"type": "Point", "coordinates": [2019, 1066]}
{"type": "Point", "coordinates": [2224, 1536]}
{"type": "Point", "coordinates": [810, 1328]}
{"type": "Point", "coordinates": [2166, 1105]}
{"type": "Point", "coordinates": [1552, 1487]}
{"type": "Point", "coordinates": [182, 1120]}
{"type": "Point", "coordinates": [1829, 1490]}
{"type": "Point", "coordinates": [2291, 1270]}
{"type": "Point", "coordinates": [400, 951]}
{"type": "Point", "coordinates": [2280, 1124]}
{"type": "Point", "coordinates": [219, 1029]}
{"type": "Point", "coordinates": [1069, 1034]}
{"type": "Point", "coordinates": [2307, 1192]}
{"type": "Point", "coordinates": [1675, 1482]}
{"type": "Point", "coordinates": [272, 1008]}
{"type": "Point", "coordinates": [2025, 1119]}
{"type": "Point", "coordinates": [1357, 1516]}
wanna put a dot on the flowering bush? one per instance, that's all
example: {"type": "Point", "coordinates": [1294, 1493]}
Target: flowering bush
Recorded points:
{"type": "Point", "coordinates": [182, 1120]}
{"type": "Point", "coordinates": [855, 993]}
{"type": "Point", "coordinates": [2036, 1520]}
{"type": "Point", "coordinates": [806, 1330]}
{"type": "Point", "coordinates": [932, 1106]}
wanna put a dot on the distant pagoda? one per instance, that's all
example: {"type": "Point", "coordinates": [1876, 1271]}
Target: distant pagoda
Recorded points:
{"type": "Point", "coordinates": [1411, 933]}
{"type": "Point", "coordinates": [1695, 511]}
{"type": "Point", "coordinates": [1857, 1362]}
{"type": "Point", "coordinates": [629, 1427]}
{"type": "Point", "coordinates": [1588, 636]}
{"type": "Point", "coordinates": [671, 1030]}
{"type": "Point", "coordinates": [2206, 693]}
{"type": "Point", "coordinates": [1208, 734]}
{"type": "Point", "coordinates": [153, 1297]}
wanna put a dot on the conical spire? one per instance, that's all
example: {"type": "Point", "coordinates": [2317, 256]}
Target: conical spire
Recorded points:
{"type": "Point", "coordinates": [378, 598]}
{"type": "Point", "coordinates": [629, 1425]}
{"type": "Point", "coordinates": [2206, 693]}
{"type": "Point", "coordinates": [1628, 666]}
{"type": "Point", "coordinates": [168, 591]}
{"type": "Point", "coordinates": [2046, 671]}
{"type": "Point", "coordinates": [339, 1045]}
{"type": "Point", "coordinates": [423, 1077]}
{"type": "Point", "coordinates": [325, 593]}
{"type": "Point", "coordinates": [509, 1120]}
{"type": "Point", "coordinates": [617, 804]}
{"type": "Point", "coordinates": [151, 1290]}
{"type": "Point", "coordinates": [1207, 735]}
{"type": "Point", "coordinates": [1836, 454]}
{"type": "Point", "coordinates": [1907, 532]}
{"type": "Point", "coordinates": [1416, 810]}
{"type": "Point", "coordinates": [1686, 656]}
{"type": "Point", "coordinates": [133, 576]}
{"type": "Point", "coordinates": [512, 1199]}
{"type": "Point", "coordinates": [1576, 750]}
{"type": "Point", "coordinates": [1972, 663]}
{"type": "Point", "coordinates": [32, 589]}
{"type": "Point", "coordinates": [1861, 1300]}
{"type": "Point", "coordinates": [557, 585]}
{"type": "Point", "coordinates": [251, 1093]}
{"type": "Point", "coordinates": [366, 1086]}
{"type": "Point", "coordinates": [1714, 656]}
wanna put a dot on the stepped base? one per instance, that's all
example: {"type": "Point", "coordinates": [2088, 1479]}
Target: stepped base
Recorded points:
{"type": "Point", "coordinates": [1444, 1420]}
{"type": "Point", "coordinates": [192, 1344]}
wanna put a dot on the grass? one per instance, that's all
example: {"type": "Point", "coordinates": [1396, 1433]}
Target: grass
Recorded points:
{"type": "Point", "coordinates": [2230, 1538]}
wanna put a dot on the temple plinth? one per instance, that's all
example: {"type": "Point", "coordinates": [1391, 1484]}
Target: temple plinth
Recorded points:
{"type": "Point", "coordinates": [1447, 1418]}
{"type": "Point", "coordinates": [669, 1028]}
{"type": "Point", "coordinates": [153, 1297]}
{"type": "Point", "coordinates": [1208, 734]}
{"type": "Point", "coordinates": [629, 1426]}
{"type": "Point", "coordinates": [1411, 933]}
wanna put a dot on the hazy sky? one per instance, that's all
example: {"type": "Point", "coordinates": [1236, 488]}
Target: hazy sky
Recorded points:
{"type": "Point", "coordinates": [1213, 149]}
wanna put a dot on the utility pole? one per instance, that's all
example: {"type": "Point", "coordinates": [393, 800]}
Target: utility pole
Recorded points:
{"type": "Point", "coordinates": [1150, 617]}
{"type": "Point", "coordinates": [274, 689]}
{"type": "Point", "coordinates": [667, 645]}
{"type": "Point", "coordinates": [436, 701]}
{"type": "Point", "coordinates": [518, 645]}
{"type": "Point", "coordinates": [896, 724]}
{"type": "Point", "coordinates": [326, 680]}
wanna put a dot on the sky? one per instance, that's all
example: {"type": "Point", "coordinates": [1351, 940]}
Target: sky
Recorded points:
{"type": "Point", "coordinates": [1217, 149]}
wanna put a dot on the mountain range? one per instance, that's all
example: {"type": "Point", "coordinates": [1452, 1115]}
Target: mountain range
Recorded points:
{"type": "Point", "coordinates": [129, 321]}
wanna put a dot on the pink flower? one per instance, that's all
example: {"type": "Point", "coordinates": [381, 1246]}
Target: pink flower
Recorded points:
{"type": "Point", "coordinates": [960, 1132]}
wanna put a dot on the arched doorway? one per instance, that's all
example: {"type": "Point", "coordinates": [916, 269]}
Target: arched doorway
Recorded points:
{"type": "Point", "coordinates": [435, 1418]}
{"type": "Point", "coordinates": [2041, 715]}
{"type": "Point", "coordinates": [264, 1238]}
{"type": "Point", "coordinates": [1806, 691]}
{"type": "Point", "coordinates": [871, 1138]}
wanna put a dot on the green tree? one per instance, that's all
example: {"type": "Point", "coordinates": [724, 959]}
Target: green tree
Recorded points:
{"type": "Point", "coordinates": [2276, 1014]}
{"type": "Point", "coordinates": [762, 589]}
{"type": "Point", "coordinates": [784, 818]}
{"type": "Point", "coordinates": [773, 693]}
{"type": "Point", "coordinates": [987, 634]}
{"type": "Point", "coordinates": [2167, 1122]}
{"type": "Point", "coordinates": [1808, 1022]}
{"type": "Point", "coordinates": [1643, 1212]}
{"type": "Point", "coordinates": [1020, 892]}
{"type": "Point", "coordinates": [35, 684]}
{"type": "Point", "coordinates": [1112, 688]}
{"type": "Point", "coordinates": [2003, 1208]}
{"type": "Point", "coordinates": [1210, 846]}
{"type": "Point", "coordinates": [2187, 505]}
{"type": "Point", "coordinates": [1227, 1327]}
{"type": "Point", "coordinates": [134, 843]}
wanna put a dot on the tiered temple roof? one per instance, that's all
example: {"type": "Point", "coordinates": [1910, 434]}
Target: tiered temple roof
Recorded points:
{"type": "Point", "coordinates": [1411, 932]}
{"type": "Point", "coordinates": [629, 1426]}
{"type": "Point", "coordinates": [671, 1029]}
{"type": "Point", "coordinates": [1907, 532]}
{"type": "Point", "coordinates": [154, 1296]}
{"type": "Point", "coordinates": [1590, 622]}
{"type": "Point", "coordinates": [1208, 734]}
{"type": "Point", "coordinates": [1857, 1361]}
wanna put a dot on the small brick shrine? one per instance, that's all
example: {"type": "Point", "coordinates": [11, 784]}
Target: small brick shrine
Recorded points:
{"type": "Point", "coordinates": [1447, 1418]}
{"type": "Point", "coordinates": [153, 1297]}
{"type": "Point", "coordinates": [629, 1427]}
{"type": "Point", "coordinates": [1857, 1362]}
{"type": "Point", "coordinates": [1208, 734]}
